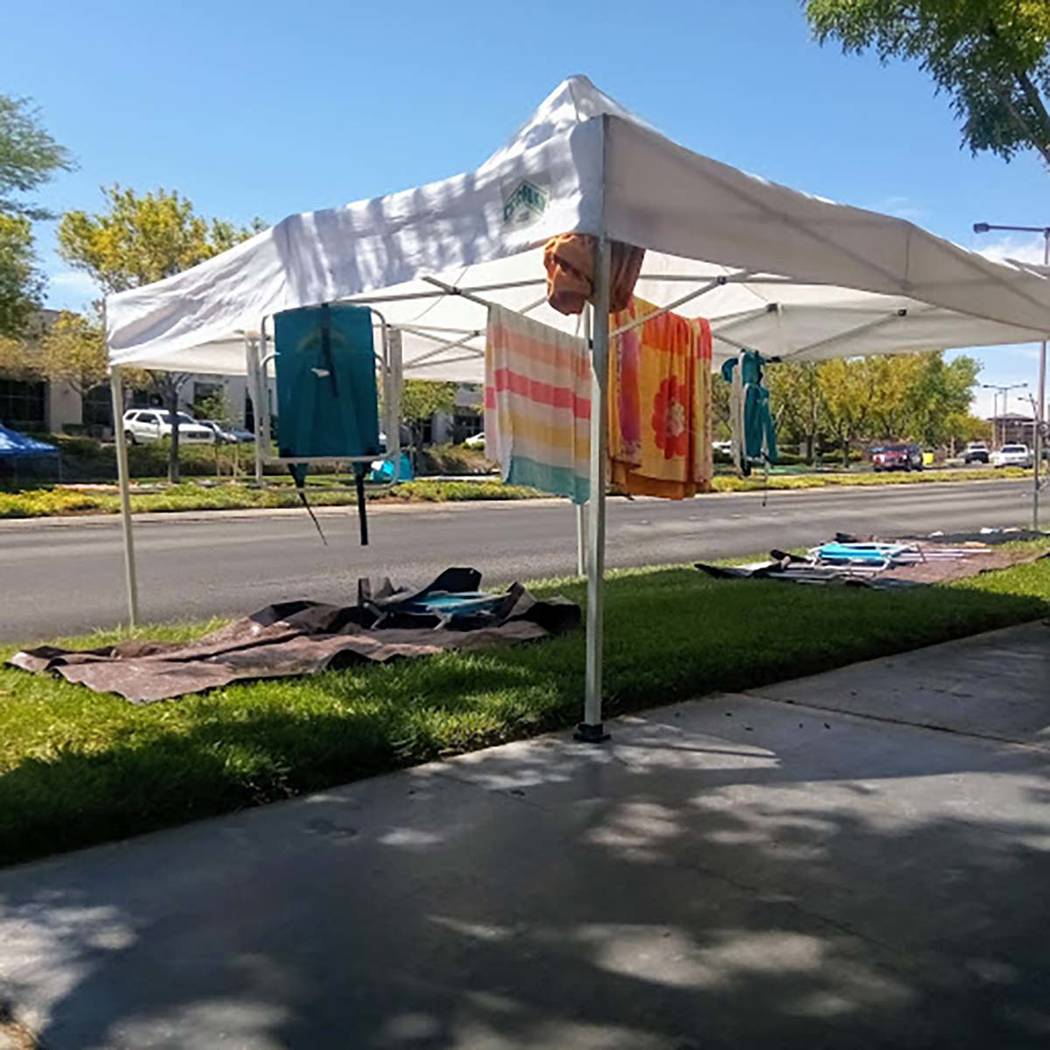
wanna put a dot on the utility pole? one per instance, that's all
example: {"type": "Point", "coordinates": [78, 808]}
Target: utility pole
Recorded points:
{"type": "Point", "coordinates": [1039, 421]}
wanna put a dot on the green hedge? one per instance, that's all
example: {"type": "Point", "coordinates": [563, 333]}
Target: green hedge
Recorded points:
{"type": "Point", "coordinates": [454, 459]}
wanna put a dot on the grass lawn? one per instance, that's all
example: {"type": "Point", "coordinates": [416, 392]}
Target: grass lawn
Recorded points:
{"type": "Point", "coordinates": [78, 768]}
{"type": "Point", "coordinates": [47, 501]}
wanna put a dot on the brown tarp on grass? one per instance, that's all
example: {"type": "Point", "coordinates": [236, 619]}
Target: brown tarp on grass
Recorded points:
{"type": "Point", "coordinates": [282, 641]}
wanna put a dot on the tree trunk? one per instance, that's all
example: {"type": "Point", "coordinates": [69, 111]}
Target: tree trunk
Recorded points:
{"type": "Point", "coordinates": [845, 452]}
{"type": "Point", "coordinates": [417, 447]}
{"type": "Point", "coordinates": [811, 447]}
{"type": "Point", "coordinates": [173, 452]}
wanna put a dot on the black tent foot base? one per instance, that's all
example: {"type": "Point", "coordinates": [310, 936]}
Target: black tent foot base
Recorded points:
{"type": "Point", "coordinates": [589, 734]}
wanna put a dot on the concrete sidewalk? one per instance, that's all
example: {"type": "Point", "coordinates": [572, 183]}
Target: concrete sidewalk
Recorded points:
{"type": "Point", "coordinates": [806, 866]}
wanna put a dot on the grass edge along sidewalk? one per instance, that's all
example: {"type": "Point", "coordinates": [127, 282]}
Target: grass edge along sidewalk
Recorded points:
{"type": "Point", "coordinates": [75, 500]}
{"type": "Point", "coordinates": [77, 768]}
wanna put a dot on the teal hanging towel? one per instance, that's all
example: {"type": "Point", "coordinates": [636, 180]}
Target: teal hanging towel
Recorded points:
{"type": "Point", "coordinates": [750, 416]}
{"type": "Point", "coordinates": [327, 400]}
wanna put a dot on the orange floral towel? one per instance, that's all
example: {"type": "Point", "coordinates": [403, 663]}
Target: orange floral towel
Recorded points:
{"type": "Point", "coordinates": [569, 261]}
{"type": "Point", "coordinates": [660, 404]}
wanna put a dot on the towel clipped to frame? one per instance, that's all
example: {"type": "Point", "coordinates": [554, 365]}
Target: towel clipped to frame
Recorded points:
{"type": "Point", "coordinates": [328, 395]}
{"type": "Point", "coordinates": [750, 418]}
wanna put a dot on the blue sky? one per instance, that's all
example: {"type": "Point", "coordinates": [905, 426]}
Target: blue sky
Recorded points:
{"type": "Point", "coordinates": [268, 108]}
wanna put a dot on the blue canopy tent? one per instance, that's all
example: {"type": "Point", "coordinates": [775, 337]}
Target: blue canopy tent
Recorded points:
{"type": "Point", "coordinates": [17, 448]}
{"type": "Point", "coordinates": [14, 445]}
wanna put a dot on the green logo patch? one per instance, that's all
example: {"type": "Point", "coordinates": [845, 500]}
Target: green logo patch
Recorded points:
{"type": "Point", "coordinates": [525, 204]}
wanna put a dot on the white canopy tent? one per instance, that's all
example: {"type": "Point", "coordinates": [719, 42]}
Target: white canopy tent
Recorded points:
{"type": "Point", "coordinates": [790, 274]}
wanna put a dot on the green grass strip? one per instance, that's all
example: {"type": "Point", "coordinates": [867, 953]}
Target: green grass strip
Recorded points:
{"type": "Point", "coordinates": [78, 768]}
{"type": "Point", "coordinates": [157, 498]}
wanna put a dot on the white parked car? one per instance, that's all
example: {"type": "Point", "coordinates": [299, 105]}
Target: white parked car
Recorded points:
{"type": "Point", "coordinates": [1013, 456]}
{"type": "Point", "coordinates": [152, 424]}
{"type": "Point", "coordinates": [477, 441]}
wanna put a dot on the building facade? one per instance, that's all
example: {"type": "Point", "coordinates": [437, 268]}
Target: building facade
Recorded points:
{"type": "Point", "coordinates": [1012, 428]}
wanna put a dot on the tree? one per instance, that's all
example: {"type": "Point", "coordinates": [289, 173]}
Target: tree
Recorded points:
{"type": "Point", "coordinates": [215, 406]}
{"type": "Point", "coordinates": [21, 283]}
{"type": "Point", "coordinates": [29, 156]}
{"type": "Point", "coordinates": [720, 428]}
{"type": "Point", "coordinates": [963, 427]}
{"type": "Point", "coordinates": [141, 238]}
{"type": "Point", "coordinates": [420, 399]}
{"type": "Point", "coordinates": [847, 391]}
{"type": "Point", "coordinates": [17, 361]}
{"type": "Point", "coordinates": [937, 392]}
{"type": "Point", "coordinates": [73, 351]}
{"type": "Point", "coordinates": [795, 391]}
{"type": "Point", "coordinates": [991, 57]}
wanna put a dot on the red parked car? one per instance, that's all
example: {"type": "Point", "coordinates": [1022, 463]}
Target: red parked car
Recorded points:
{"type": "Point", "coordinates": [900, 456]}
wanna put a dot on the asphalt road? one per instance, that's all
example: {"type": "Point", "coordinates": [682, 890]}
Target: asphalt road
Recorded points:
{"type": "Point", "coordinates": [67, 577]}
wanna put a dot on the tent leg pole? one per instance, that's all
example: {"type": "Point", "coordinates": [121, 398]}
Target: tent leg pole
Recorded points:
{"type": "Point", "coordinates": [581, 539]}
{"type": "Point", "coordinates": [130, 578]}
{"type": "Point", "coordinates": [581, 508]}
{"type": "Point", "coordinates": [1039, 442]}
{"type": "Point", "coordinates": [253, 354]}
{"type": "Point", "coordinates": [591, 729]}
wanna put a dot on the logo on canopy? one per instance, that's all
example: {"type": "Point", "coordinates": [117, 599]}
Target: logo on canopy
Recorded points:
{"type": "Point", "coordinates": [526, 203]}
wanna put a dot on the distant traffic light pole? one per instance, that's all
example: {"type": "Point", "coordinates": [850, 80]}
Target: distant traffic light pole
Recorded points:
{"type": "Point", "coordinates": [1039, 421]}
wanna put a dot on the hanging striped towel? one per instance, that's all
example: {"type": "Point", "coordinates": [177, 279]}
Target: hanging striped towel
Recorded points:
{"type": "Point", "coordinates": [537, 404]}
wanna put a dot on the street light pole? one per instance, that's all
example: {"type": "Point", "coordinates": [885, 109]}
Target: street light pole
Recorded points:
{"type": "Point", "coordinates": [1039, 419]}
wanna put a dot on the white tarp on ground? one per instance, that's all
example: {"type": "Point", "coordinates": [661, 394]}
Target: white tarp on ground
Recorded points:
{"type": "Point", "coordinates": [850, 281]}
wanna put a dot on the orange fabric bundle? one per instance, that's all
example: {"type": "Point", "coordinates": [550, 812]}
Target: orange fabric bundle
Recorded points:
{"type": "Point", "coordinates": [569, 261]}
{"type": "Point", "coordinates": [660, 404]}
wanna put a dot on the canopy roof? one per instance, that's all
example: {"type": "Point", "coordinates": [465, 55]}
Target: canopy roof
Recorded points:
{"type": "Point", "coordinates": [16, 445]}
{"type": "Point", "coordinates": [782, 271]}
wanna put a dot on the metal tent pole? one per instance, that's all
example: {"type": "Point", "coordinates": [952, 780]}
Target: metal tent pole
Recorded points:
{"type": "Point", "coordinates": [251, 359]}
{"type": "Point", "coordinates": [581, 539]}
{"type": "Point", "coordinates": [1040, 409]}
{"type": "Point", "coordinates": [260, 397]}
{"type": "Point", "coordinates": [1040, 419]}
{"type": "Point", "coordinates": [591, 729]}
{"type": "Point", "coordinates": [581, 508]}
{"type": "Point", "coordinates": [130, 578]}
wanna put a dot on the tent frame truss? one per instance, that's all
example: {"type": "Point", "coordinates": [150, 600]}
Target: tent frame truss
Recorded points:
{"type": "Point", "coordinates": [591, 518]}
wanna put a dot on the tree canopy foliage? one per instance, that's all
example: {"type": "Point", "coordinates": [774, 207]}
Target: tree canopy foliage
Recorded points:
{"type": "Point", "coordinates": [21, 283]}
{"type": "Point", "coordinates": [917, 397]}
{"type": "Point", "coordinates": [17, 361]}
{"type": "Point", "coordinates": [29, 156]}
{"type": "Point", "coordinates": [421, 398]}
{"type": "Point", "coordinates": [73, 351]}
{"type": "Point", "coordinates": [139, 238]}
{"type": "Point", "coordinates": [991, 57]}
{"type": "Point", "coordinates": [846, 402]}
